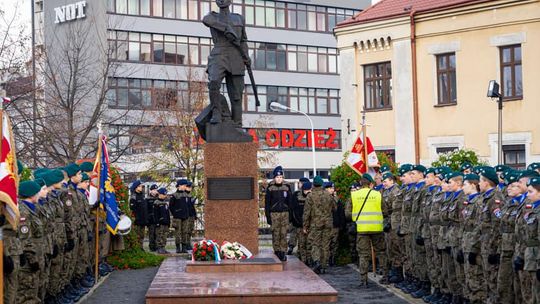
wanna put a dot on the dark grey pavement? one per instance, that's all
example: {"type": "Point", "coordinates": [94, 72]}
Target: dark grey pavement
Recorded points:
{"type": "Point", "coordinates": [129, 286]}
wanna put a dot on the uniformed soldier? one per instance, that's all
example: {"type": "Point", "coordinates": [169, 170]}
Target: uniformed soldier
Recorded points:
{"type": "Point", "coordinates": [150, 199]}
{"type": "Point", "coordinates": [351, 227]}
{"type": "Point", "coordinates": [522, 241]}
{"type": "Point", "coordinates": [472, 206]}
{"type": "Point", "coordinates": [405, 228]}
{"type": "Point", "coordinates": [367, 211]}
{"type": "Point", "coordinates": [31, 235]}
{"type": "Point", "coordinates": [493, 201]}
{"type": "Point", "coordinates": [87, 248]}
{"type": "Point", "coordinates": [138, 206]}
{"type": "Point", "coordinates": [338, 222]}
{"type": "Point", "coordinates": [53, 179]}
{"type": "Point", "coordinates": [534, 167]}
{"type": "Point", "coordinates": [391, 199]}
{"type": "Point", "coordinates": [277, 201]}
{"type": "Point", "coordinates": [466, 168]}
{"type": "Point", "coordinates": [297, 218]}
{"type": "Point", "coordinates": [294, 231]}
{"type": "Point", "coordinates": [179, 206]}
{"type": "Point", "coordinates": [318, 224]}
{"type": "Point", "coordinates": [192, 213]}
{"type": "Point", "coordinates": [529, 224]}
{"type": "Point", "coordinates": [455, 233]}
{"type": "Point", "coordinates": [163, 220]}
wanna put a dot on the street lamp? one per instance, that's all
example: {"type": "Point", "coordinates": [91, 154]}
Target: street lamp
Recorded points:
{"type": "Point", "coordinates": [493, 92]}
{"type": "Point", "coordinates": [277, 106]}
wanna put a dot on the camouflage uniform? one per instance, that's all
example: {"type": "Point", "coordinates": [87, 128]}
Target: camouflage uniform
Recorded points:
{"type": "Point", "coordinates": [179, 206]}
{"type": "Point", "coordinates": [12, 250]}
{"type": "Point", "coordinates": [163, 219]}
{"type": "Point", "coordinates": [318, 222]}
{"type": "Point", "coordinates": [277, 202]}
{"type": "Point", "coordinates": [475, 284]}
{"type": "Point", "coordinates": [527, 248]}
{"type": "Point", "coordinates": [506, 276]}
{"type": "Point", "coordinates": [45, 212]}
{"type": "Point", "coordinates": [491, 237]}
{"type": "Point", "coordinates": [418, 251]}
{"type": "Point", "coordinates": [70, 199]}
{"type": "Point", "coordinates": [84, 238]}
{"type": "Point", "coordinates": [406, 229]}
{"type": "Point", "coordinates": [192, 216]}
{"type": "Point", "coordinates": [455, 232]}
{"type": "Point", "coordinates": [425, 232]}
{"type": "Point", "coordinates": [32, 241]}
{"type": "Point", "coordinates": [392, 201]}
{"type": "Point", "coordinates": [55, 281]}
{"type": "Point", "coordinates": [443, 246]}
{"type": "Point", "coordinates": [435, 263]}
{"type": "Point", "coordinates": [297, 214]}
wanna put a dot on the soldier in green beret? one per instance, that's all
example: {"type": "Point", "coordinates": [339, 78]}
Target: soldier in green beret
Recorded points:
{"type": "Point", "coordinates": [86, 255]}
{"type": "Point", "coordinates": [466, 168]}
{"type": "Point", "coordinates": [394, 246]}
{"type": "Point", "coordinates": [31, 235]}
{"type": "Point", "coordinates": [534, 167]}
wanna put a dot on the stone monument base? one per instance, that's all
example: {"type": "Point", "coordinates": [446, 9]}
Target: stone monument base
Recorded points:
{"type": "Point", "coordinates": [261, 262]}
{"type": "Point", "coordinates": [231, 211]}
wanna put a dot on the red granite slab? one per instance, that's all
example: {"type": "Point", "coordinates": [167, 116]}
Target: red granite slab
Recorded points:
{"type": "Point", "coordinates": [238, 265]}
{"type": "Point", "coordinates": [295, 284]}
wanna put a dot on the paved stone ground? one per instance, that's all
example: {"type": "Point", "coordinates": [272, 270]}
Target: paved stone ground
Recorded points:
{"type": "Point", "coordinates": [129, 287]}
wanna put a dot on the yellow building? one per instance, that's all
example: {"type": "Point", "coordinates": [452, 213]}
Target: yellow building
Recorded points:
{"type": "Point", "coordinates": [421, 70]}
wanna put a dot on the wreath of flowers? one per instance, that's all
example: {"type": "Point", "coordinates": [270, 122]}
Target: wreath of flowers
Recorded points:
{"type": "Point", "coordinates": [206, 250]}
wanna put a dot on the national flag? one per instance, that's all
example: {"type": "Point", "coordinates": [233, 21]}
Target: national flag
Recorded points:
{"type": "Point", "coordinates": [9, 178]}
{"type": "Point", "coordinates": [107, 198]}
{"type": "Point", "coordinates": [6, 100]}
{"type": "Point", "coordinates": [355, 160]}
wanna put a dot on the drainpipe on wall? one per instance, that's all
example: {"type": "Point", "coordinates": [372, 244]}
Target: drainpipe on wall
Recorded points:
{"type": "Point", "coordinates": [415, 90]}
{"type": "Point", "coordinates": [356, 86]}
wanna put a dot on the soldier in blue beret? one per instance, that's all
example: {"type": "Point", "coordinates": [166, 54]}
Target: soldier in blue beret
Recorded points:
{"type": "Point", "coordinates": [138, 206]}
{"type": "Point", "coordinates": [179, 206]}
{"type": "Point", "coordinates": [192, 213]}
{"type": "Point", "coordinates": [277, 201]}
{"type": "Point", "coordinates": [162, 219]}
{"type": "Point", "coordinates": [151, 197]}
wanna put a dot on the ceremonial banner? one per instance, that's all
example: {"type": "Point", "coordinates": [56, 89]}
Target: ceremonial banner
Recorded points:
{"type": "Point", "coordinates": [355, 160]}
{"type": "Point", "coordinates": [9, 179]}
{"type": "Point", "coordinates": [107, 198]}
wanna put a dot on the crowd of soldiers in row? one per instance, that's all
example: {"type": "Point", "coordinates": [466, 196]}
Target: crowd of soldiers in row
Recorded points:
{"type": "Point", "coordinates": [313, 214]}
{"type": "Point", "coordinates": [50, 257]}
{"type": "Point", "coordinates": [463, 237]}
{"type": "Point", "coordinates": [154, 211]}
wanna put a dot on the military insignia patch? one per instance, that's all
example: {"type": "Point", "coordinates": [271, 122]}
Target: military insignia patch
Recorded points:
{"type": "Point", "coordinates": [497, 212]}
{"type": "Point", "coordinates": [24, 229]}
{"type": "Point", "coordinates": [68, 203]}
{"type": "Point", "coordinates": [497, 202]}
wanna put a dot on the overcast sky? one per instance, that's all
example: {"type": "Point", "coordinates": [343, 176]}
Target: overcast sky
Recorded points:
{"type": "Point", "coordinates": [22, 8]}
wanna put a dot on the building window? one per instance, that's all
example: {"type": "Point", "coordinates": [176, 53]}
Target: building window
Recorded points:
{"type": "Point", "coordinates": [514, 156]}
{"type": "Point", "coordinates": [446, 79]}
{"type": "Point", "coordinates": [194, 51]}
{"type": "Point", "coordinates": [391, 153]}
{"type": "Point", "coordinates": [271, 14]}
{"type": "Point", "coordinates": [378, 86]}
{"type": "Point", "coordinates": [441, 150]}
{"type": "Point", "coordinates": [511, 73]}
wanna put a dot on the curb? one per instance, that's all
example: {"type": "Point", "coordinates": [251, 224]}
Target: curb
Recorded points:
{"type": "Point", "coordinates": [96, 286]}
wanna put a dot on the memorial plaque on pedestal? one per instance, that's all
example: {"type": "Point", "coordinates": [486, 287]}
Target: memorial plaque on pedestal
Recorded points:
{"type": "Point", "coordinates": [230, 188]}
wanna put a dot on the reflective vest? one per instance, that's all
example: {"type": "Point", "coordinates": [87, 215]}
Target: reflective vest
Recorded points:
{"type": "Point", "coordinates": [371, 217]}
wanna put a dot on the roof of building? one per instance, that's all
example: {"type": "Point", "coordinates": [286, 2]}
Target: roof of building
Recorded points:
{"type": "Point", "coordinates": [387, 9]}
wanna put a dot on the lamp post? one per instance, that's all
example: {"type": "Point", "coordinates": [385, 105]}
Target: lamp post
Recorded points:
{"type": "Point", "coordinates": [277, 106]}
{"type": "Point", "coordinates": [493, 92]}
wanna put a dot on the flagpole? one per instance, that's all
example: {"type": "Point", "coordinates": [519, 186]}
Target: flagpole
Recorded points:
{"type": "Point", "coordinates": [2, 207]}
{"type": "Point", "coordinates": [96, 267]}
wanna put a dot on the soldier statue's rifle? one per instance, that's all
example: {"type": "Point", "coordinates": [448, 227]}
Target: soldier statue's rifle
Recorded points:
{"type": "Point", "coordinates": [249, 70]}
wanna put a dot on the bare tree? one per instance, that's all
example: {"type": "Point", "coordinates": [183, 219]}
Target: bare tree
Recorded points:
{"type": "Point", "coordinates": [13, 45]}
{"type": "Point", "coordinates": [75, 64]}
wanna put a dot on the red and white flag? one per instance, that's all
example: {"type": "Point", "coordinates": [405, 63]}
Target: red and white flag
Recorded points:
{"type": "Point", "coordinates": [355, 160]}
{"type": "Point", "coordinates": [9, 179]}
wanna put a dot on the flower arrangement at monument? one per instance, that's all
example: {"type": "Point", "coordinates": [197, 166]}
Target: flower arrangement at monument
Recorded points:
{"type": "Point", "coordinates": [206, 250]}
{"type": "Point", "coordinates": [233, 251]}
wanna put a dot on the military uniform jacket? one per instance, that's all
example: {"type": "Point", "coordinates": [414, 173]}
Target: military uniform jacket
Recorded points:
{"type": "Point", "coordinates": [59, 227]}
{"type": "Point", "coordinates": [444, 221]}
{"type": "Point", "coordinates": [138, 206]}
{"type": "Point", "coordinates": [152, 217]}
{"type": "Point", "coordinates": [45, 213]}
{"type": "Point", "coordinates": [192, 210]}
{"type": "Point", "coordinates": [31, 234]}
{"type": "Point", "coordinates": [277, 199]}
{"type": "Point", "coordinates": [528, 230]}
{"type": "Point", "coordinates": [69, 198]}
{"type": "Point", "coordinates": [392, 200]}
{"type": "Point", "coordinates": [426, 210]}
{"type": "Point", "coordinates": [406, 211]}
{"type": "Point", "coordinates": [472, 207]}
{"type": "Point", "coordinates": [419, 195]}
{"type": "Point", "coordinates": [12, 243]}
{"type": "Point", "coordinates": [318, 209]}
{"type": "Point", "coordinates": [508, 217]}
{"type": "Point", "coordinates": [179, 205]}
{"type": "Point", "coordinates": [455, 227]}
{"type": "Point", "coordinates": [296, 210]}
{"type": "Point", "coordinates": [161, 212]}
{"type": "Point", "coordinates": [489, 223]}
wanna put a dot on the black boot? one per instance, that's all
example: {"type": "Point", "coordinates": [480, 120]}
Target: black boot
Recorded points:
{"type": "Point", "coordinates": [316, 267]}
{"type": "Point", "coordinates": [184, 248]}
{"type": "Point", "coordinates": [397, 275]}
{"type": "Point", "coordinates": [178, 249]}
{"type": "Point", "coordinates": [282, 256]}
{"type": "Point", "coordinates": [188, 246]}
{"type": "Point", "coordinates": [290, 251]}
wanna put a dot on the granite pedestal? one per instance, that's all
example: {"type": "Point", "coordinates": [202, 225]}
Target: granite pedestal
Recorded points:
{"type": "Point", "coordinates": [230, 219]}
